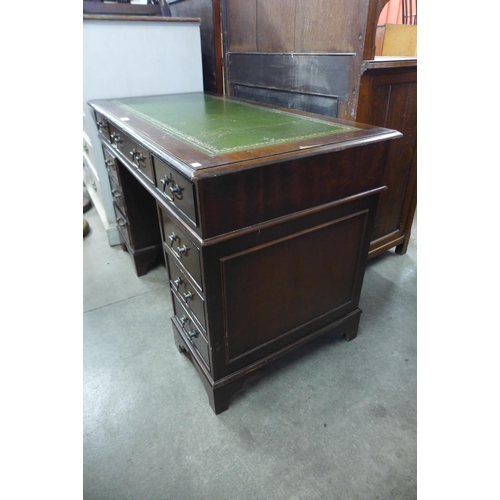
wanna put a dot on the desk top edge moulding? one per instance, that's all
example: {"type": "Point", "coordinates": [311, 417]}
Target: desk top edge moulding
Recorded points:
{"type": "Point", "coordinates": [262, 217]}
{"type": "Point", "coordinates": [217, 130]}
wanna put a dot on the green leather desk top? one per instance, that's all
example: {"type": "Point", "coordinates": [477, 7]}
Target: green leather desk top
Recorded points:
{"type": "Point", "coordinates": [218, 126]}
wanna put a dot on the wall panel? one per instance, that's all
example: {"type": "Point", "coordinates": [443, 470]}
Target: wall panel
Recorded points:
{"type": "Point", "coordinates": [276, 25]}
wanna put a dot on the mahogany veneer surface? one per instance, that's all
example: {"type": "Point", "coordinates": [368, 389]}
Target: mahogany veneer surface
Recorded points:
{"type": "Point", "coordinates": [265, 218]}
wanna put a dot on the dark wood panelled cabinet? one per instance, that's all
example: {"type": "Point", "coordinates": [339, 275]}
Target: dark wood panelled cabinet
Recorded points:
{"type": "Point", "coordinates": [388, 98]}
{"type": "Point", "coordinates": [319, 56]}
{"type": "Point", "coordinates": [263, 216]}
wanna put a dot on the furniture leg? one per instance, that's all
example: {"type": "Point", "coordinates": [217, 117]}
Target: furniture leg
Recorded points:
{"type": "Point", "coordinates": [403, 247]}
{"type": "Point", "coordinates": [349, 329]}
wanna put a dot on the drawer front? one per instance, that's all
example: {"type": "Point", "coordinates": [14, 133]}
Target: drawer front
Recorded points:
{"type": "Point", "coordinates": [135, 153]}
{"type": "Point", "coordinates": [123, 225]}
{"type": "Point", "coordinates": [176, 189]}
{"type": "Point", "coordinates": [193, 333]}
{"type": "Point", "coordinates": [117, 193]}
{"type": "Point", "coordinates": [187, 293]}
{"type": "Point", "coordinates": [102, 125]}
{"type": "Point", "coordinates": [111, 165]}
{"type": "Point", "coordinates": [186, 254]}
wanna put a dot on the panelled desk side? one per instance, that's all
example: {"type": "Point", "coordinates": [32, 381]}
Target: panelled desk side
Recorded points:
{"type": "Point", "coordinates": [265, 247]}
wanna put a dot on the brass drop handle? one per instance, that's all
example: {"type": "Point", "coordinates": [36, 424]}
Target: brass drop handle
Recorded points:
{"type": "Point", "coordinates": [121, 221]}
{"type": "Point", "coordinates": [183, 250]}
{"type": "Point", "coordinates": [100, 126]}
{"type": "Point", "coordinates": [166, 180]}
{"type": "Point", "coordinates": [177, 283]}
{"type": "Point", "coordinates": [176, 190]}
{"type": "Point", "coordinates": [193, 334]}
{"type": "Point", "coordinates": [187, 296]}
{"type": "Point", "coordinates": [116, 140]}
{"type": "Point", "coordinates": [109, 164]}
{"type": "Point", "coordinates": [137, 156]}
{"type": "Point", "coordinates": [172, 238]}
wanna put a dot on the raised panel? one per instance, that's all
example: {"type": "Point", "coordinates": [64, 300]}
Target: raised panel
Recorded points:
{"type": "Point", "coordinates": [293, 25]}
{"type": "Point", "coordinates": [327, 26]}
{"type": "Point", "coordinates": [273, 290]}
{"type": "Point", "coordinates": [324, 105]}
{"type": "Point", "coordinates": [327, 74]}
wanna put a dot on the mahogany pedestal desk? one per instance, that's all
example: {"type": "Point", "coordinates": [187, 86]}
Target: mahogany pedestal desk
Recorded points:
{"type": "Point", "coordinates": [263, 216]}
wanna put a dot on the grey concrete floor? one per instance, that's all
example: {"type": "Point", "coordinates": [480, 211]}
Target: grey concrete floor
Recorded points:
{"type": "Point", "coordinates": [337, 420]}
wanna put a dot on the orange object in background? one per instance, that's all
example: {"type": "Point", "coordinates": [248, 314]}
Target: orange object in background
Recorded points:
{"type": "Point", "coordinates": [393, 12]}
{"type": "Point", "coordinates": [397, 29]}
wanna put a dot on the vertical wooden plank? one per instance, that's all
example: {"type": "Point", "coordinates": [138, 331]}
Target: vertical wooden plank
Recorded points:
{"type": "Point", "coordinates": [371, 16]}
{"type": "Point", "coordinates": [241, 25]}
{"type": "Point", "coordinates": [396, 177]}
{"type": "Point", "coordinates": [210, 33]}
{"type": "Point", "coordinates": [218, 55]}
{"type": "Point", "coordinates": [408, 125]}
{"type": "Point", "coordinates": [276, 25]}
{"type": "Point", "coordinates": [322, 26]}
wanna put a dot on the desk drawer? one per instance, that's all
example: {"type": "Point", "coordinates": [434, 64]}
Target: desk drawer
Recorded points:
{"type": "Point", "coordinates": [123, 225]}
{"type": "Point", "coordinates": [175, 188]}
{"type": "Point", "coordinates": [111, 165]}
{"type": "Point", "coordinates": [185, 253]}
{"type": "Point", "coordinates": [117, 193]}
{"type": "Point", "coordinates": [187, 294]}
{"type": "Point", "coordinates": [191, 331]}
{"type": "Point", "coordinates": [136, 155]}
{"type": "Point", "coordinates": [102, 125]}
